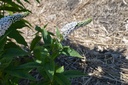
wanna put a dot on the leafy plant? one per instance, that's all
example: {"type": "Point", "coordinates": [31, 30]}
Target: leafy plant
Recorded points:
{"type": "Point", "coordinates": [43, 61]}
{"type": "Point", "coordinates": [45, 56]}
{"type": "Point", "coordinates": [17, 64]}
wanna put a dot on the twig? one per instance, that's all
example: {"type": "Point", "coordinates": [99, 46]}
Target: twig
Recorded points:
{"type": "Point", "coordinates": [85, 83]}
{"type": "Point", "coordinates": [125, 2]}
{"type": "Point", "coordinates": [112, 79]}
{"type": "Point", "coordinates": [81, 5]}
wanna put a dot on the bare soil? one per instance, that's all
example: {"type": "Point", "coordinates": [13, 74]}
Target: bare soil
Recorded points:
{"type": "Point", "coordinates": [103, 43]}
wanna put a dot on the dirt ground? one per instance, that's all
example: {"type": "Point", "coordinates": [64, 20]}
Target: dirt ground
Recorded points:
{"type": "Point", "coordinates": [103, 43]}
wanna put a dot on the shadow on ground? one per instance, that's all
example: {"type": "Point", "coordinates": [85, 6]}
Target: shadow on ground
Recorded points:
{"type": "Point", "coordinates": [107, 67]}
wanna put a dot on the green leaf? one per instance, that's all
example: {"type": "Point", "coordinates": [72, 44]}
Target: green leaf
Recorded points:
{"type": "Point", "coordinates": [14, 9]}
{"type": "Point", "coordinates": [59, 35]}
{"type": "Point", "coordinates": [41, 53]}
{"type": "Point", "coordinates": [18, 37]}
{"type": "Point", "coordinates": [61, 79]}
{"type": "Point", "coordinates": [50, 69]}
{"type": "Point", "coordinates": [38, 61]}
{"type": "Point", "coordinates": [14, 52]}
{"type": "Point", "coordinates": [26, 22]}
{"type": "Point", "coordinates": [8, 56]}
{"type": "Point", "coordinates": [5, 62]}
{"type": "Point", "coordinates": [19, 24]}
{"type": "Point", "coordinates": [11, 45]}
{"type": "Point", "coordinates": [11, 3]}
{"type": "Point", "coordinates": [30, 65]}
{"type": "Point", "coordinates": [27, 1]}
{"type": "Point", "coordinates": [70, 52]}
{"type": "Point", "coordinates": [38, 1]}
{"type": "Point", "coordinates": [41, 83]}
{"type": "Point", "coordinates": [50, 33]}
{"type": "Point", "coordinates": [45, 26]}
{"type": "Point", "coordinates": [60, 70]}
{"type": "Point", "coordinates": [42, 71]}
{"type": "Point", "coordinates": [12, 6]}
{"type": "Point", "coordinates": [34, 42]}
{"type": "Point", "coordinates": [20, 2]}
{"type": "Point", "coordinates": [20, 74]}
{"type": "Point", "coordinates": [73, 73]}
{"type": "Point", "coordinates": [83, 23]}
{"type": "Point", "coordinates": [46, 37]}
{"type": "Point", "coordinates": [37, 28]}
{"type": "Point", "coordinates": [2, 43]}
{"type": "Point", "coordinates": [56, 49]}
